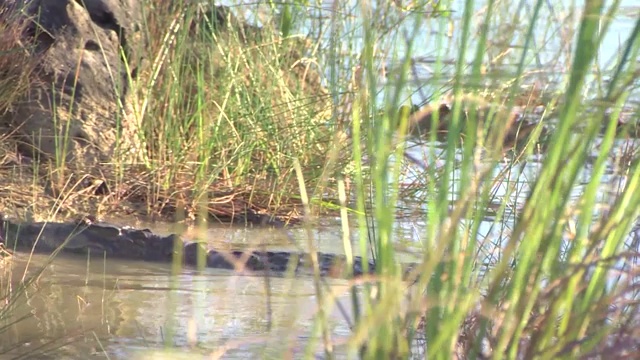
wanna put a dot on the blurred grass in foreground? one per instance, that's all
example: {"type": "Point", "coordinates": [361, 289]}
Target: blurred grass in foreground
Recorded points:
{"type": "Point", "coordinates": [561, 284]}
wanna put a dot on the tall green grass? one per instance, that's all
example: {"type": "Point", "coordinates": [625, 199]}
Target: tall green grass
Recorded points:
{"type": "Point", "coordinates": [230, 104]}
{"type": "Point", "coordinates": [549, 291]}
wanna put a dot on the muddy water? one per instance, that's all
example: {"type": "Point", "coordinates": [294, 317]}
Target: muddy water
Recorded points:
{"type": "Point", "coordinates": [137, 310]}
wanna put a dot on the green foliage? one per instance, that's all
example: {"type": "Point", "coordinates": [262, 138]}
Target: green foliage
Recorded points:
{"type": "Point", "coordinates": [544, 287]}
{"type": "Point", "coordinates": [539, 282]}
{"type": "Point", "coordinates": [233, 103]}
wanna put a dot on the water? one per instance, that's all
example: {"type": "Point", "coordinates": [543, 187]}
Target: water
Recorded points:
{"type": "Point", "coordinates": [141, 310]}
{"type": "Point", "coordinates": [439, 37]}
{"type": "Point", "coordinates": [130, 310]}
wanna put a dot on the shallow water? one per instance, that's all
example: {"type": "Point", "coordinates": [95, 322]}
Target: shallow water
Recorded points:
{"type": "Point", "coordinates": [129, 310]}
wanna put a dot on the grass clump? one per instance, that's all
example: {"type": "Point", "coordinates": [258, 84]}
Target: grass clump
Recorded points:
{"type": "Point", "coordinates": [220, 111]}
{"type": "Point", "coordinates": [226, 109]}
{"type": "Point", "coordinates": [16, 74]}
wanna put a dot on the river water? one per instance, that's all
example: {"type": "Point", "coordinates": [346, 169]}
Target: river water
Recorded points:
{"type": "Point", "coordinates": [133, 310]}
{"type": "Point", "coordinates": [138, 310]}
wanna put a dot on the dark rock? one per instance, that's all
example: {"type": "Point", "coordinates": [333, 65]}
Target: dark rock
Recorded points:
{"type": "Point", "coordinates": [87, 53]}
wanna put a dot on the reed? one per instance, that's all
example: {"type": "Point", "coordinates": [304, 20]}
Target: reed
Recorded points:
{"type": "Point", "coordinates": [543, 285]}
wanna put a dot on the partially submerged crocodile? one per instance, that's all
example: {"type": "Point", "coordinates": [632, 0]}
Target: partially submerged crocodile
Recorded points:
{"type": "Point", "coordinates": [90, 237]}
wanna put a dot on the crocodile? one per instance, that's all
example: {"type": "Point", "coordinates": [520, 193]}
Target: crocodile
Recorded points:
{"type": "Point", "coordinates": [86, 236]}
{"type": "Point", "coordinates": [517, 129]}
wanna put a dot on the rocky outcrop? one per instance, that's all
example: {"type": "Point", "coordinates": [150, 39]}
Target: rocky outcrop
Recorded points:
{"type": "Point", "coordinates": [86, 236]}
{"type": "Point", "coordinates": [87, 54]}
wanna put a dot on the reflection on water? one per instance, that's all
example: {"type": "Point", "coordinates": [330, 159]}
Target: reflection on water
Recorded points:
{"type": "Point", "coordinates": [126, 309]}
{"type": "Point", "coordinates": [129, 309]}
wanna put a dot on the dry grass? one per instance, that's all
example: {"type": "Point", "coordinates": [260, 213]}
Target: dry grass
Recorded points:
{"type": "Point", "coordinates": [17, 64]}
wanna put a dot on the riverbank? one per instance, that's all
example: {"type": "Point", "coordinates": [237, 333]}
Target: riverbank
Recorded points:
{"type": "Point", "coordinates": [219, 113]}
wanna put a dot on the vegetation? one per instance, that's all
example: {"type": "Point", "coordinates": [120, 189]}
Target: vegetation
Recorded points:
{"type": "Point", "coordinates": [225, 134]}
{"type": "Point", "coordinates": [524, 253]}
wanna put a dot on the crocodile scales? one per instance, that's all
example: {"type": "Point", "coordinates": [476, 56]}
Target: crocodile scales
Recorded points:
{"type": "Point", "coordinates": [86, 236]}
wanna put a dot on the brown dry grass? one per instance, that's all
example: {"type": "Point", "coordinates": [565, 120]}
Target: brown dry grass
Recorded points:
{"type": "Point", "coordinates": [26, 192]}
{"type": "Point", "coordinates": [16, 61]}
